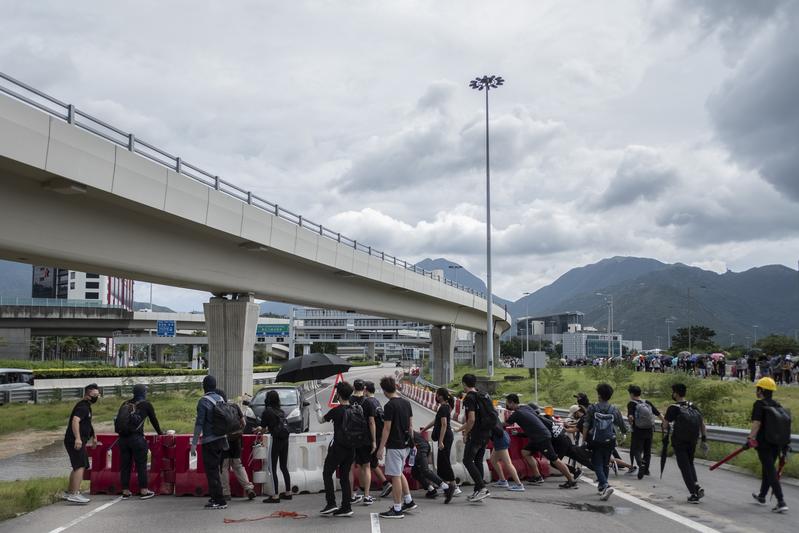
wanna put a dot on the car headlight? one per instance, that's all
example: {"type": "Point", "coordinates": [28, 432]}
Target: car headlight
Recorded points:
{"type": "Point", "coordinates": [295, 413]}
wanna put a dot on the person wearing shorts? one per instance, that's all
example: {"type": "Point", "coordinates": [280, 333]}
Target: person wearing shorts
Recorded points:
{"type": "Point", "coordinates": [501, 461]}
{"type": "Point", "coordinates": [365, 456]}
{"type": "Point", "coordinates": [539, 437]}
{"type": "Point", "coordinates": [79, 435]}
{"type": "Point", "coordinates": [395, 447]}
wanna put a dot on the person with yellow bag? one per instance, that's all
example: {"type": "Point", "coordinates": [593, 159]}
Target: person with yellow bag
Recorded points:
{"type": "Point", "coordinates": [770, 435]}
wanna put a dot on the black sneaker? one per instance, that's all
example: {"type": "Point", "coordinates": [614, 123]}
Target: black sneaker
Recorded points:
{"type": "Point", "coordinates": [641, 473]}
{"type": "Point", "coordinates": [343, 512]}
{"type": "Point", "coordinates": [126, 495]}
{"type": "Point", "coordinates": [450, 492]}
{"type": "Point", "coordinates": [693, 498]}
{"type": "Point", "coordinates": [578, 472]}
{"type": "Point", "coordinates": [431, 494]}
{"type": "Point", "coordinates": [538, 481]}
{"type": "Point", "coordinates": [392, 513]}
{"type": "Point", "coordinates": [409, 506]}
{"type": "Point", "coordinates": [386, 489]}
{"type": "Point", "coordinates": [286, 496]}
{"type": "Point", "coordinates": [568, 485]}
{"type": "Point", "coordinates": [358, 498]}
{"type": "Point", "coordinates": [214, 506]}
{"type": "Point", "coordinates": [271, 499]}
{"type": "Point", "coordinates": [250, 494]}
{"type": "Point", "coordinates": [780, 508]}
{"type": "Point", "coordinates": [761, 500]}
{"type": "Point", "coordinates": [329, 509]}
{"type": "Point", "coordinates": [700, 492]}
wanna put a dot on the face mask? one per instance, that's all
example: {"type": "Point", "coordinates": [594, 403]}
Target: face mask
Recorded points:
{"type": "Point", "coordinates": [245, 402]}
{"type": "Point", "coordinates": [93, 399]}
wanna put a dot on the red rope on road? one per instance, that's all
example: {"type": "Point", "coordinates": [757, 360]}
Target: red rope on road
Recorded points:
{"type": "Point", "coordinates": [276, 514]}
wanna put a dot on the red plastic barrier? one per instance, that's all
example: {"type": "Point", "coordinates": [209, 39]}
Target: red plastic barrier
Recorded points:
{"type": "Point", "coordinates": [193, 482]}
{"type": "Point", "coordinates": [106, 463]}
{"type": "Point", "coordinates": [517, 442]}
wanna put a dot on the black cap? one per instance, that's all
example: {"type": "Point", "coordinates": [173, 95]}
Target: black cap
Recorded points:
{"type": "Point", "coordinates": [582, 399]}
{"type": "Point", "coordinates": [512, 398]}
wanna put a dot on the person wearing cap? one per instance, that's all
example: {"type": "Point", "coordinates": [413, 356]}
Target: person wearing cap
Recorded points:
{"type": "Point", "coordinates": [767, 452]}
{"type": "Point", "coordinates": [213, 445]}
{"type": "Point", "coordinates": [134, 446]}
{"type": "Point", "coordinates": [79, 435]}
{"type": "Point", "coordinates": [364, 455]}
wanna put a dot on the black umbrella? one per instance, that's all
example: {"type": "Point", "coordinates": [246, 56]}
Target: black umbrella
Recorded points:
{"type": "Point", "coordinates": [664, 451]}
{"type": "Point", "coordinates": [311, 367]}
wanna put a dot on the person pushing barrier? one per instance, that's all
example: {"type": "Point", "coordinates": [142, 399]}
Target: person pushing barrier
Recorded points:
{"type": "Point", "coordinates": [129, 425]}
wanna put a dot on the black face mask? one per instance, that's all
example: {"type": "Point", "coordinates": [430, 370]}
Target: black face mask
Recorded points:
{"type": "Point", "coordinates": [93, 399]}
{"type": "Point", "coordinates": [245, 402]}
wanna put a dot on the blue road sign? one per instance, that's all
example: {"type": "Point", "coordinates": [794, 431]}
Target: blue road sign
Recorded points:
{"type": "Point", "coordinates": [166, 328]}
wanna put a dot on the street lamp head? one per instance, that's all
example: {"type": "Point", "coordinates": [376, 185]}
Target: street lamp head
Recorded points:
{"type": "Point", "coordinates": [486, 82]}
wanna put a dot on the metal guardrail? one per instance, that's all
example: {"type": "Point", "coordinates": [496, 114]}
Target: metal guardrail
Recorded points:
{"type": "Point", "coordinates": [56, 302]}
{"type": "Point", "coordinates": [78, 118]}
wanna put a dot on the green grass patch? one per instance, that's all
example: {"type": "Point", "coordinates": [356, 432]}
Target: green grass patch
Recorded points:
{"type": "Point", "coordinates": [724, 403]}
{"type": "Point", "coordinates": [25, 496]}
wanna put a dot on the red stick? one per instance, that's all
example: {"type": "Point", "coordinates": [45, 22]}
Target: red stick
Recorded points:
{"type": "Point", "coordinates": [733, 454]}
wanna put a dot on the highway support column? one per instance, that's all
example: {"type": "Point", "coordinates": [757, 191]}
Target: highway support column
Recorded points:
{"type": "Point", "coordinates": [231, 339]}
{"type": "Point", "coordinates": [480, 350]}
{"type": "Point", "coordinates": [442, 354]}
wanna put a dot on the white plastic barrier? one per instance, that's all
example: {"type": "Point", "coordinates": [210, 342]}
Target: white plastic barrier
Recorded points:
{"type": "Point", "coordinates": [306, 459]}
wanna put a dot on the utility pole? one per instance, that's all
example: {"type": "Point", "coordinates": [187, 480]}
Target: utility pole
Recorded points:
{"type": "Point", "coordinates": [668, 332]}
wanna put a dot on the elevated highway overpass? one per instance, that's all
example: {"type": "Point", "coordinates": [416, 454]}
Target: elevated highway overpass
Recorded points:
{"type": "Point", "coordinates": [82, 194]}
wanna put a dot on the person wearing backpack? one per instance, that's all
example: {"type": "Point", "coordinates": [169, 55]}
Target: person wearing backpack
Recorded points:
{"type": "Point", "coordinates": [211, 433]}
{"type": "Point", "coordinates": [538, 431]}
{"type": "Point", "coordinates": [377, 409]}
{"type": "Point", "coordinates": [274, 420]}
{"type": "Point", "coordinates": [687, 425]}
{"type": "Point", "coordinates": [443, 437]}
{"type": "Point", "coordinates": [231, 458]}
{"type": "Point", "coordinates": [771, 436]}
{"type": "Point", "coordinates": [363, 454]}
{"type": "Point", "coordinates": [395, 446]}
{"type": "Point", "coordinates": [481, 419]}
{"type": "Point", "coordinates": [641, 414]}
{"type": "Point", "coordinates": [341, 452]}
{"type": "Point", "coordinates": [129, 425]}
{"type": "Point", "coordinates": [599, 432]}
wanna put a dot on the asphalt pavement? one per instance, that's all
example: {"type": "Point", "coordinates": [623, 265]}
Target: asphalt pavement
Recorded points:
{"type": "Point", "coordinates": [651, 505]}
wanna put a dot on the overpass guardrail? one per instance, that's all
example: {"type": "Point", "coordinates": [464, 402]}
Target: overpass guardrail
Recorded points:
{"type": "Point", "coordinates": [79, 118]}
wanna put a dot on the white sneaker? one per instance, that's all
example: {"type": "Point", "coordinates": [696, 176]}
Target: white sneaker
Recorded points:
{"type": "Point", "coordinates": [606, 494]}
{"type": "Point", "coordinates": [479, 495]}
{"type": "Point", "coordinates": [78, 498]}
{"type": "Point", "coordinates": [457, 492]}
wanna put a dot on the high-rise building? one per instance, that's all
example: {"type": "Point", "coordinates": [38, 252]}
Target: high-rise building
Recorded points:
{"type": "Point", "coordinates": [60, 283]}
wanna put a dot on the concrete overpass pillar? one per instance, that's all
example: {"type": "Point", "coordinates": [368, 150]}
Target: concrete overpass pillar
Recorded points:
{"type": "Point", "coordinates": [159, 353]}
{"type": "Point", "coordinates": [480, 355]}
{"type": "Point", "coordinates": [306, 349]}
{"type": "Point", "coordinates": [231, 338]}
{"type": "Point", "coordinates": [370, 351]}
{"type": "Point", "coordinates": [442, 354]}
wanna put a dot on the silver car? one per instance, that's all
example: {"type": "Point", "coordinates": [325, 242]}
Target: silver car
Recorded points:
{"type": "Point", "coordinates": [292, 402]}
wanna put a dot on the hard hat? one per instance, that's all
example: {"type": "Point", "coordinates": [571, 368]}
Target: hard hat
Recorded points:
{"type": "Point", "coordinates": [766, 384]}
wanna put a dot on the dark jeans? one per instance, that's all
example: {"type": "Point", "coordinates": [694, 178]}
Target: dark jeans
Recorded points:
{"type": "Point", "coordinates": [443, 462]}
{"type": "Point", "coordinates": [600, 458]}
{"type": "Point", "coordinates": [338, 457]}
{"type": "Point", "coordinates": [473, 454]}
{"type": "Point", "coordinates": [133, 447]}
{"type": "Point", "coordinates": [768, 455]}
{"type": "Point", "coordinates": [641, 448]}
{"type": "Point", "coordinates": [212, 461]}
{"type": "Point", "coordinates": [684, 453]}
{"type": "Point", "coordinates": [280, 452]}
{"type": "Point", "coordinates": [422, 473]}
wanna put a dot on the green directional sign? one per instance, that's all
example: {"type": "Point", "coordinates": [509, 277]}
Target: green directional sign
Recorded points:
{"type": "Point", "coordinates": [272, 330]}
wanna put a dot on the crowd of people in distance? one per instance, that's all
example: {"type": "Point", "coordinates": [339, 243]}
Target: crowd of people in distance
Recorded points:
{"type": "Point", "coordinates": [368, 434]}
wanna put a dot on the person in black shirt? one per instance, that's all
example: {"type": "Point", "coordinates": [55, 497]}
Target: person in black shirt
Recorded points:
{"type": "Point", "coordinates": [395, 445]}
{"type": "Point", "coordinates": [443, 438]}
{"type": "Point", "coordinates": [79, 435]}
{"type": "Point", "coordinates": [339, 457]}
{"type": "Point", "coordinates": [475, 438]}
{"type": "Point", "coordinates": [766, 452]}
{"type": "Point", "coordinates": [133, 446]}
{"type": "Point", "coordinates": [377, 418]}
{"type": "Point", "coordinates": [364, 454]}
{"type": "Point", "coordinates": [684, 450]}
{"type": "Point", "coordinates": [641, 442]}
{"type": "Point", "coordinates": [273, 419]}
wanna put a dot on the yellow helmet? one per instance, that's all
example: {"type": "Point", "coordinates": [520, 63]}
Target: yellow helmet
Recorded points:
{"type": "Point", "coordinates": [766, 384]}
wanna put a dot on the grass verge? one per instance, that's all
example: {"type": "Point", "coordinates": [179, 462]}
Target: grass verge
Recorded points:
{"type": "Point", "coordinates": [20, 497]}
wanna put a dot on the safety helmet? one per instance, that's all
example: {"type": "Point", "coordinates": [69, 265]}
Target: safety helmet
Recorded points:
{"type": "Point", "coordinates": [766, 384]}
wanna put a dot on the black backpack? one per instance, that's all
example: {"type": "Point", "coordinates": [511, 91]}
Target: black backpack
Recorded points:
{"type": "Point", "coordinates": [354, 428]}
{"type": "Point", "coordinates": [128, 420]}
{"type": "Point", "coordinates": [282, 431]}
{"type": "Point", "coordinates": [687, 425]}
{"type": "Point", "coordinates": [777, 425]}
{"type": "Point", "coordinates": [486, 417]}
{"type": "Point", "coordinates": [225, 418]}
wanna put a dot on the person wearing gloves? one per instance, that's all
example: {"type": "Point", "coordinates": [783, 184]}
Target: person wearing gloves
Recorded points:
{"type": "Point", "coordinates": [133, 446]}
{"type": "Point", "coordinates": [213, 445]}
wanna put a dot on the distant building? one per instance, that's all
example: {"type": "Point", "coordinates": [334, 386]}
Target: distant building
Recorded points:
{"type": "Point", "coordinates": [583, 345]}
{"type": "Point", "coordinates": [568, 322]}
{"type": "Point", "coordinates": [63, 284]}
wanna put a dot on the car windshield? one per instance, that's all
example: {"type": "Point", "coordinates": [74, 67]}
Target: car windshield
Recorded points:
{"type": "Point", "coordinates": [287, 397]}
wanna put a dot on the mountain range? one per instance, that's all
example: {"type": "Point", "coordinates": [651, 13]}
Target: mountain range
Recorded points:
{"type": "Point", "coordinates": [645, 293]}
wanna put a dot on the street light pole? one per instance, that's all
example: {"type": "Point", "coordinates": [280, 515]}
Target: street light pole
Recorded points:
{"type": "Point", "coordinates": [488, 83]}
{"type": "Point", "coordinates": [527, 323]}
{"type": "Point", "coordinates": [668, 331]}
{"type": "Point", "coordinates": [455, 268]}
{"type": "Point", "coordinates": [754, 326]}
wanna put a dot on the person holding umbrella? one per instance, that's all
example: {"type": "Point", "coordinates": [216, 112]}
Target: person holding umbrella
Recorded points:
{"type": "Point", "coordinates": [339, 454]}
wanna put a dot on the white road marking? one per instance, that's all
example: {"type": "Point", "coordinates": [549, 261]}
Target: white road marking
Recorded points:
{"type": "Point", "coordinates": [375, 522]}
{"type": "Point", "coordinates": [83, 517]}
{"type": "Point", "coordinates": [687, 522]}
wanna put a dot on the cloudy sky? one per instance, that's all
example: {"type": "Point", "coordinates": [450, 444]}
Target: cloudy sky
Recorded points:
{"type": "Point", "coordinates": [665, 129]}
